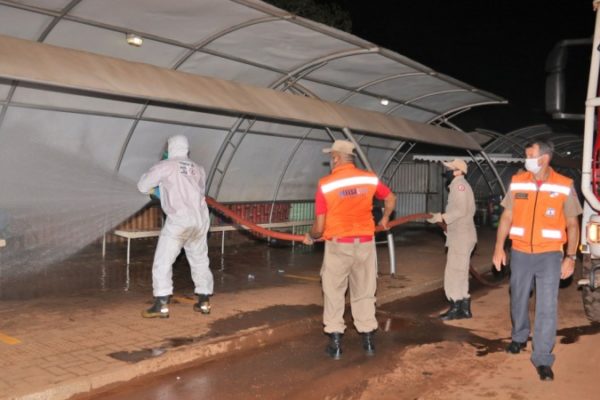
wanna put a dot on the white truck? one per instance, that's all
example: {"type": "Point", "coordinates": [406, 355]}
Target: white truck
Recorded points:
{"type": "Point", "coordinates": [590, 169]}
{"type": "Point", "coordinates": [590, 185]}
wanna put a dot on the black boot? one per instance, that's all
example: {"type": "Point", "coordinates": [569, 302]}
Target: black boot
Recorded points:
{"type": "Point", "coordinates": [203, 304]}
{"type": "Point", "coordinates": [334, 348]}
{"type": "Point", "coordinates": [454, 312]}
{"type": "Point", "coordinates": [368, 343]}
{"type": "Point", "coordinates": [465, 308]}
{"type": "Point", "coordinates": [160, 308]}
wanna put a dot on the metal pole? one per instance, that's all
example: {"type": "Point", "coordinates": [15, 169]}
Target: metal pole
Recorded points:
{"type": "Point", "coordinates": [222, 243]}
{"type": "Point", "coordinates": [392, 252]}
{"type": "Point", "coordinates": [104, 245]}
{"type": "Point", "coordinates": [359, 152]}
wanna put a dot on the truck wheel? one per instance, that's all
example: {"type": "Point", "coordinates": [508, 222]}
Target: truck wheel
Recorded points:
{"type": "Point", "coordinates": [591, 298]}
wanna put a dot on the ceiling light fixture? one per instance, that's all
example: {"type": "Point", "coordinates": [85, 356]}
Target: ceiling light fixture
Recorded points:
{"type": "Point", "coordinates": [134, 40]}
{"type": "Point", "coordinates": [384, 102]}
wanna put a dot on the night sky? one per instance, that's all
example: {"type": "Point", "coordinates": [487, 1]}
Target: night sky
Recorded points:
{"type": "Point", "coordinates": [499, 46]}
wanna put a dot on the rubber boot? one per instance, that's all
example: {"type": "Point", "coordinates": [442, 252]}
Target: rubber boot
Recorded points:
{"type": "Point", "coordinates": [203, 304]}
{"type": "Point", "coordinates": [454, 312]}
{"type": "Point", "coordinates": [368, 343]}
{"type": "Point", "coordinates": [465, 308]}
{"type": "Point", "coordinates": [160, 308]}
{"type": "Point", "coordinates": [334, 348]}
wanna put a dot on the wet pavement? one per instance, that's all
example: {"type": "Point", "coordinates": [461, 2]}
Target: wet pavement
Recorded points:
{"type": "Point", "coordinates": [300, 369]}
{"type": "Point", "coordinates": [77, 326]}
{"type": "Point", "coordinates": [240, 268]}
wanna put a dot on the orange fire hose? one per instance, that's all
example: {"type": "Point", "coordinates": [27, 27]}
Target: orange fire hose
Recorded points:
{"type": "Point", "coordinates": [212, 203]}
{"type": "Point", "coordinates": [221, 209]}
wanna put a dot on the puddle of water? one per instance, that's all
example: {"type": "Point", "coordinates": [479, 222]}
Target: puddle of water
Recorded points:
{"type": "Point", "coordinates": [138, 355]}
{"type": "Point", "coordinates": [413, 321]}
{"type": "Point", "coordinates": [224, 327]}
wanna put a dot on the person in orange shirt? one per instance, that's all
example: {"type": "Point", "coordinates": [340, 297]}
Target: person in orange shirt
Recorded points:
{"type": "Point", "coordinates": [343, 208]}
{"type": "Point", "coordinates": [540, 214]}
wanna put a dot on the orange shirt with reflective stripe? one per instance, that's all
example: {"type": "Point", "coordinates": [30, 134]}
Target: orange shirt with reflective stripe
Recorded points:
{"type": "Point", "coordinates": [538, 220]}
{"type": "Point", "coordinates": [349, 193]}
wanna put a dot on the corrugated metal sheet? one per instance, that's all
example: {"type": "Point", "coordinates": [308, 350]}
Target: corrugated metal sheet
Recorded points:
{"type": "Point", "coordinates": [436, 179]}
{"type": "Point", "coordinates": [411, 203]}
{"type": "Point", "coordinates": [419, 187]}
{"type": "Point", "coordinates": [411, 178]}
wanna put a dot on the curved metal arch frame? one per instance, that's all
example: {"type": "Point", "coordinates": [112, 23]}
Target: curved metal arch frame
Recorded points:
{"type": "Point", "coordinates": [289, 79]}
{"type": "Point", "coordinates": [487, 159]}
{"type": "Point", "coordinates": [500, 173]}
{"type": "Point", "coordinates": [55, 20]}
{"type": "Point", "coordinates": [388, 162]}
{"type": "Point", "coordinates": [399, 162]}
{"type": "Point", "coordinates": [275, 16]}
{"type": "Point", "coordinates": [199, 47]}
{"type": "Point", "coordinates": [362, 43]}
{"type": "Point", "coordinates": [424, 96]}
{"type": "Point", "coordinates": [504, 138]}
{"type": "Point", "coordinates": [461, 109]}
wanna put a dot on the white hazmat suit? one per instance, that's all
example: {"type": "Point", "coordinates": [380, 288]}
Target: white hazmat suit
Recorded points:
{"type": "Point", "coordinates": [182, 186]}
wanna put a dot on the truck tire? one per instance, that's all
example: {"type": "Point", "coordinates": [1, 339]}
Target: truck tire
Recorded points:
{"type": "Point", "coordinates": [591, 298]}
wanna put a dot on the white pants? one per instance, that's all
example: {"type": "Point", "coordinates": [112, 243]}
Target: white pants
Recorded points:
{"type": "Point", "coordinates": [192, 238]}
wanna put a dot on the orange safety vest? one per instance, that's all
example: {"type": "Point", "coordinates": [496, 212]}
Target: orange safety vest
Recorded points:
{"type": "Point", "coordinates": [538, 220]}
{"type": "Point", "coordinates": [349, 192]}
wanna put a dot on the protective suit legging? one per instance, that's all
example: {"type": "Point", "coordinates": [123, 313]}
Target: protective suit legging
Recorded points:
{"type": "Point", "coordinates": [170, 242]}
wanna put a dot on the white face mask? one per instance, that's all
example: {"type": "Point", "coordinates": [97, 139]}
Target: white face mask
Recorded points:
{"type": "Point", "coordinates": [531, 165]}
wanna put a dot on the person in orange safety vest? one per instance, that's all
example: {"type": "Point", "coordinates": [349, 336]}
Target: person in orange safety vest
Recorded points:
{"type": "Point", "coordinates": [540, 215]}
{"type": "Point", "coordinates": [343, 208]}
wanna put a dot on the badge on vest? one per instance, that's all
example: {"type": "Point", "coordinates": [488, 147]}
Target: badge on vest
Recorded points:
{"type": "Point", "coordinates": [550, 212]}
{"type": "Point", "coordinates": [521, 196]}
{"type": "Point", "coordinates": [554, 194]}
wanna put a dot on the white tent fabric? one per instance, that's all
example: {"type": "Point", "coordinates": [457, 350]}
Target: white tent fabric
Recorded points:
{"type": "Point", "coordinates": [245, 41]}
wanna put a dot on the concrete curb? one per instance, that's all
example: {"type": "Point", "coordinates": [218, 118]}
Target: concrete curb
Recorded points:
{"type": "Point", "coordinates": [200, 352]}
{"type": "Point", "coordinates": [206, 350]}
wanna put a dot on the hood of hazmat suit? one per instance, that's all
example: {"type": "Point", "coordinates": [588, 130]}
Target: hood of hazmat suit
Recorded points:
{"type": "Point", "coordinates": [178, 147]}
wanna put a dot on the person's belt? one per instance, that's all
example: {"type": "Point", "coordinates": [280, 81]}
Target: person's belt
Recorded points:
{"type": "Point", "coordinates": [352, 239]}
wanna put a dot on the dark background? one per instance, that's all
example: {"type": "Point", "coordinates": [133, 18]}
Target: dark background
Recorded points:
{"type": "Point", "coordinates": [497, 46]}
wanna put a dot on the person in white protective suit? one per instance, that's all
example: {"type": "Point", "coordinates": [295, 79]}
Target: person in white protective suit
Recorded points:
{"type": "Point", "coordinates": [181, 183]}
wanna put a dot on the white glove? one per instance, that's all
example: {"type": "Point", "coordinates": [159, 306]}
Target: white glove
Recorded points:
{"type": "Point", "coordinates": [436, 217]}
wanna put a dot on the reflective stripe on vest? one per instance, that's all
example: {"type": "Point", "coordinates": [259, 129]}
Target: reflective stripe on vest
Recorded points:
{"type": "Point", "coordinates": [538, 219]}
{"type": "Point", "coordinates": [349, 192]}
{"type": "Point", "coordinates": [551, 233]}
{"type": "Point", "coordinates": [531, 187]}
{"type": "Point", "coordinates": [517, 230]}
{"type": "Point", "coordinates": [549, 187]}
{"type": "Point", "coordinates": [354, 181]}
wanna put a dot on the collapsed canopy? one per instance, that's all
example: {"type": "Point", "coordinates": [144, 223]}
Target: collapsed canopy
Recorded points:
{"type": "Point", "coordinates": [247, 42]}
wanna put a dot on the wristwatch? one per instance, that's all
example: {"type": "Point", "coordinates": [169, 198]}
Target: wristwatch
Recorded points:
{"type": "Point", "coordinates": [572, 256]}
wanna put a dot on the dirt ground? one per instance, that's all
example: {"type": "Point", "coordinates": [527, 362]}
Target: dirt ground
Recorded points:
{"type": "Point", "coordinates": [453, 370]}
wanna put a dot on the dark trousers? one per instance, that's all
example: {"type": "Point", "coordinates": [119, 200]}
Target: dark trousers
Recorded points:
{"type": "Point", "coordinates": [543, 269]}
